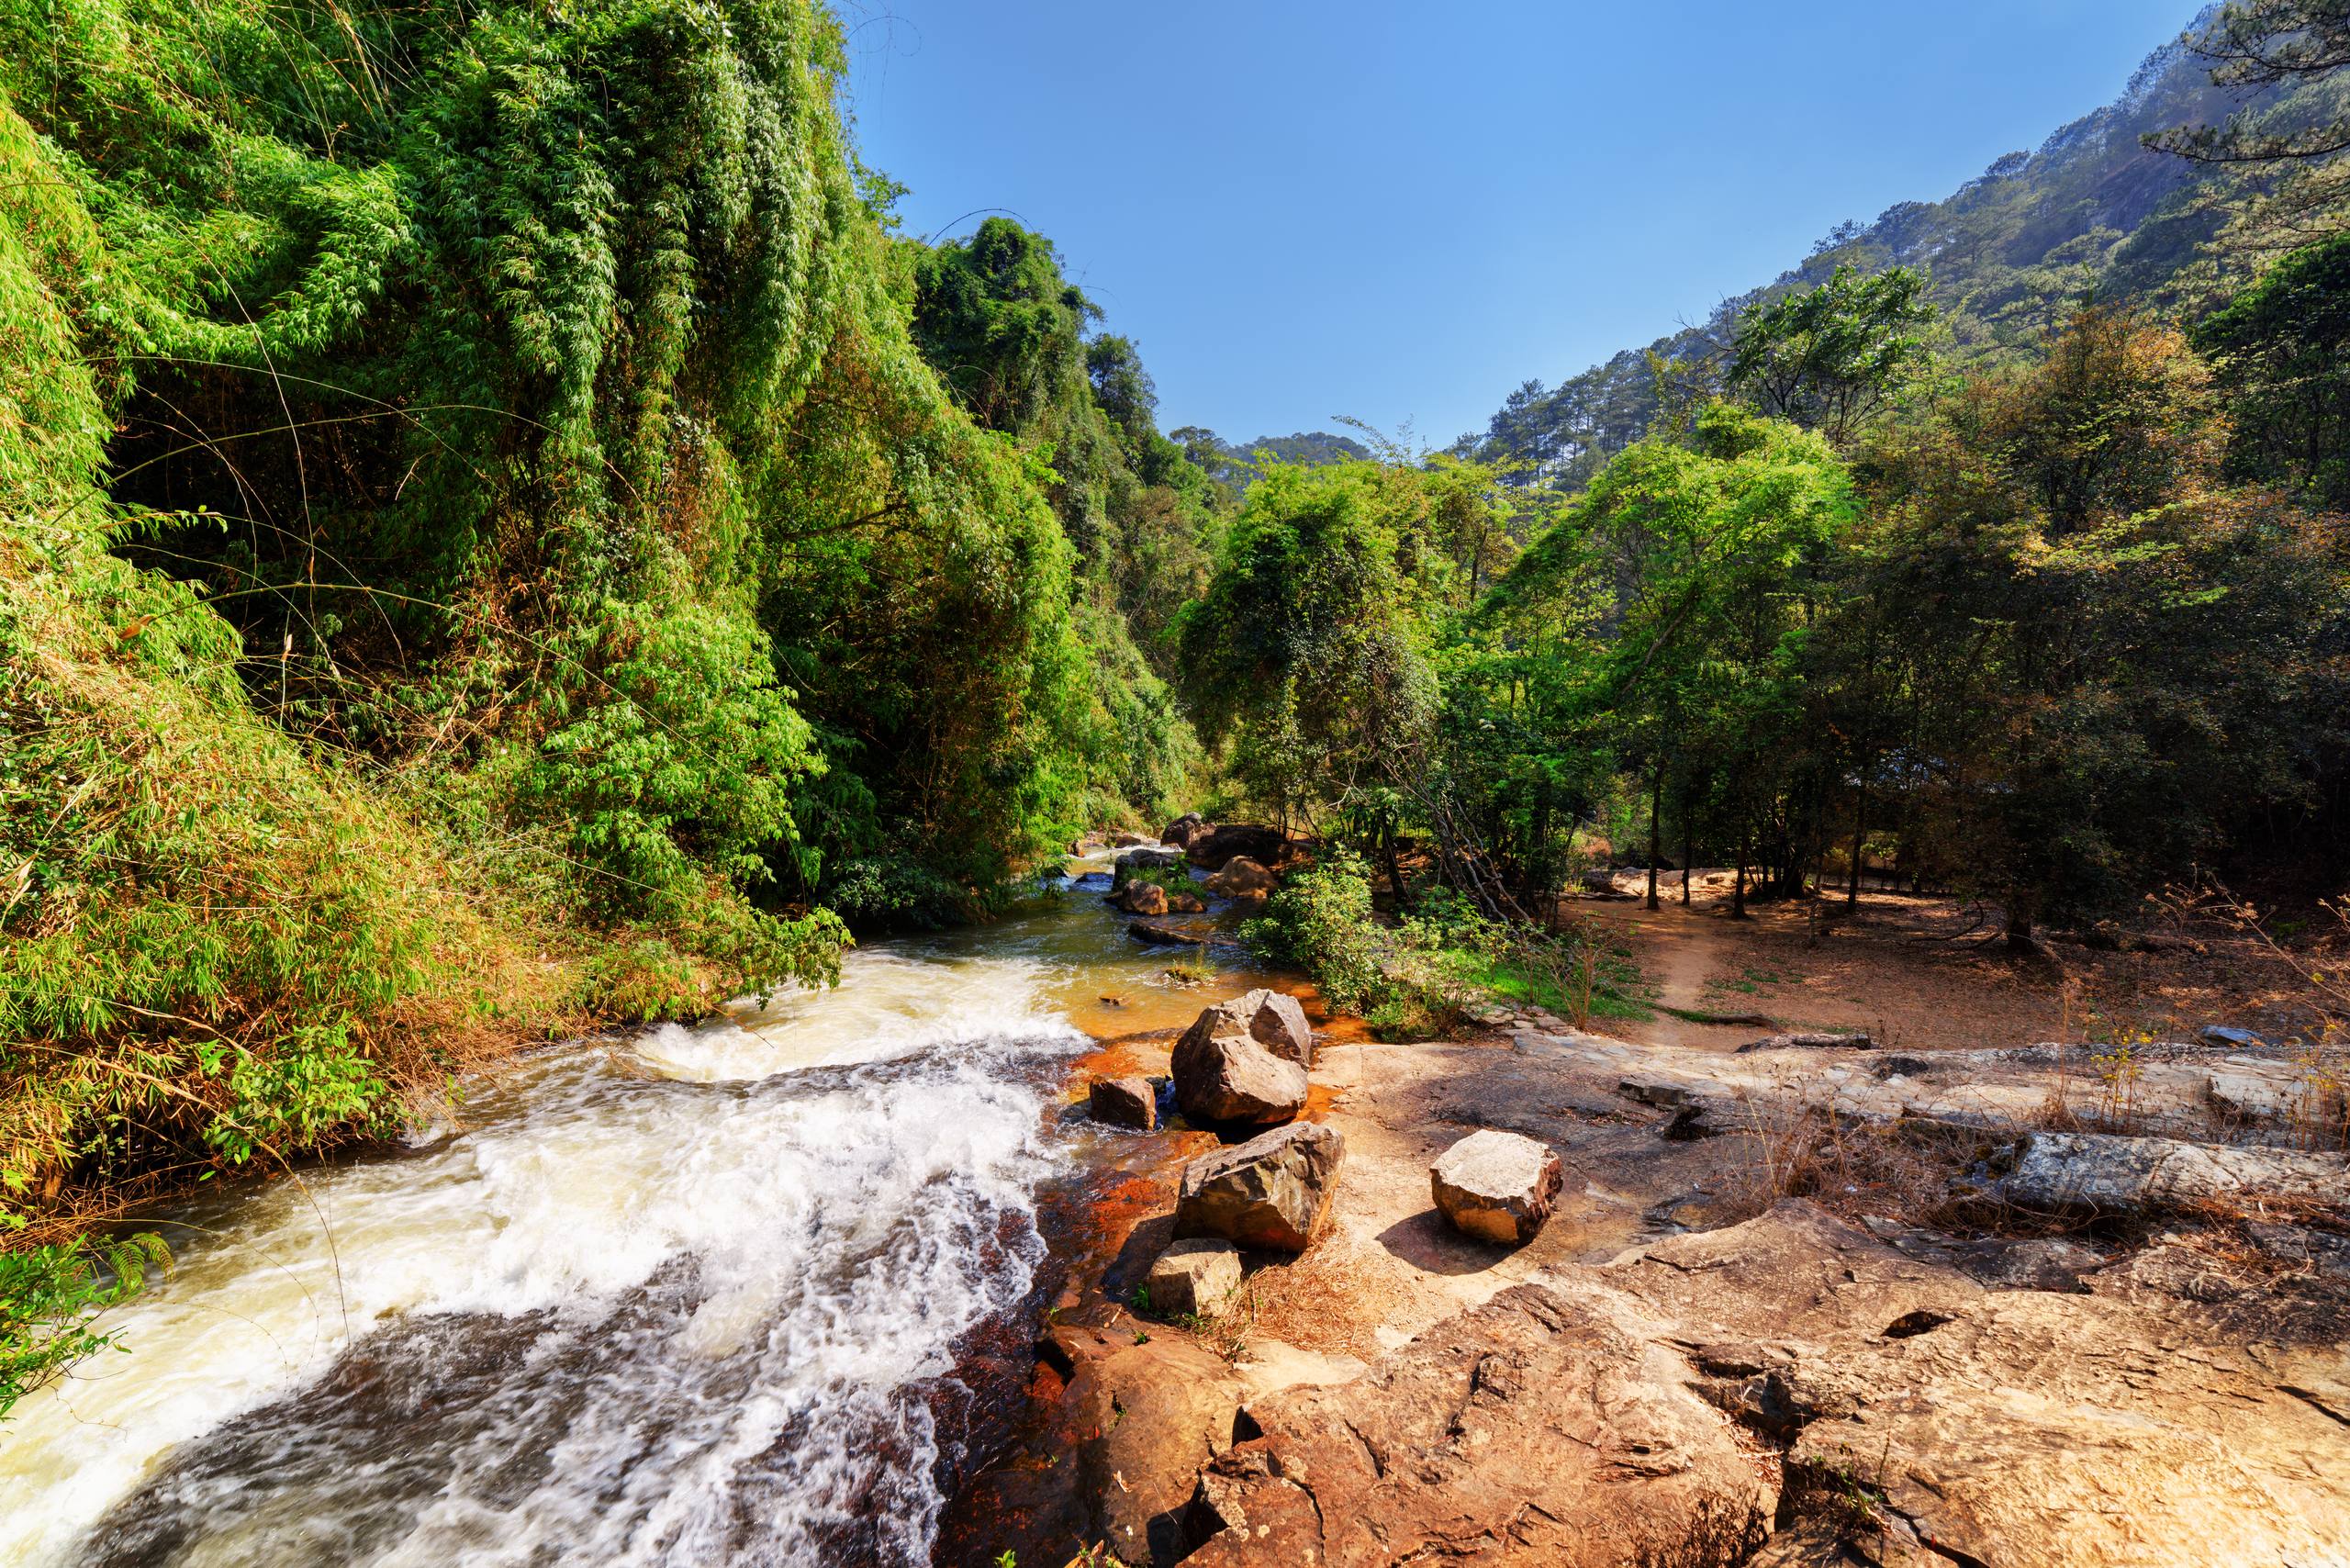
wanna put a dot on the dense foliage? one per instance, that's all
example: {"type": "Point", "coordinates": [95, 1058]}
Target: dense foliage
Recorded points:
{"type": "Point", "coordinates": [499, 528]}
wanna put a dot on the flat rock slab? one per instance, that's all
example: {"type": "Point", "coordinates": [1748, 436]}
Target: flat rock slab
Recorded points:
{"type": "Point", "coordinates": [1194, 1278]}
{"type": "Point", "coordinates": [2061, 1171]}
{"type": "Point", "coordinates": [1496, 1186]}
{"type": "Point", "coordinates": [1140, 1420]}
{"type": "Point", "coordinates": [2060, 1431]}
{"type": "Point", "coordinates": [1541, 1428]}
{"type": "Point", "coordinates": [1272, 1192]}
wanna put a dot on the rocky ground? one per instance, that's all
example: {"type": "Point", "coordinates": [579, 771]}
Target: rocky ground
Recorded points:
{"type": "Point", "coordinates": [1812, 1301]}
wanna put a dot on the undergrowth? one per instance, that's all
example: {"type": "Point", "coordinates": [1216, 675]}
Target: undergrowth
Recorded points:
{"type": "Point", "coordinates": [1435, 969]}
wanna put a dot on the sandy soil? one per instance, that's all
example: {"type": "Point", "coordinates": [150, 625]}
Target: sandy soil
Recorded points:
{"type": "Point", "coordinates": [1923, 974]}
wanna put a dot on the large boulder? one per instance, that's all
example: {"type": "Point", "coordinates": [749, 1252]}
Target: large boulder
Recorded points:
{"type": "Point", "coordinates": [1243, 881]}
{"type": "Point", "coordinates": [1271, 1192]}
{"type": "Point", "coordinates": [1231, 1078]}
{"type": "Point", "coordinates": [1124, 1103]}
{"type": "Point", "coordinates": [1541, 1428]}
{"type": "Point", "coordinates": [1141, 898]}
{"type": "Point", "coordinates": [1193, 1278]}
{"type": "Point", "coordinates": [1496, 1186]}
{"type": "Point", "coordinates": [1213, 848]}
{"type": "Point", "coordinates": [1185, 828]}
{"type": "Point", "coordinates": [1275, 1020]}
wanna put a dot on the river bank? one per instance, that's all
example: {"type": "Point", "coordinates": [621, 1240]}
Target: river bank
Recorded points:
{"type": "Point", "coordinates": [682, 1295]}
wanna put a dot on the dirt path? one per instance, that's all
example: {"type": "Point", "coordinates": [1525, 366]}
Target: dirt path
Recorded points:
{"type": "Point", "coordinates": [1917, 973]}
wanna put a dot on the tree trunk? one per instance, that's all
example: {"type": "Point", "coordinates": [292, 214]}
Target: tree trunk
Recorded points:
{"type": "Point", "coordinates": [1395, 866]}
{"type": "Point", "coordinates": [1860, 837]}
{"type": "Point", "coordinates": [1738, 886]}
{"type": "Point", "coordinates": [1688, 846]}
{"type": "Point", "coordinates": [1656, 824]}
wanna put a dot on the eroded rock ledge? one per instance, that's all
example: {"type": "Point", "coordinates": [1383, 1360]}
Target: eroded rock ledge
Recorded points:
{"type": "Point", "coordinates": [1784, 1389]}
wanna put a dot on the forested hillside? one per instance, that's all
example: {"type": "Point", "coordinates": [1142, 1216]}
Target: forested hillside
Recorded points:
{"type": "Point", "coordinates": [2093, 214]}
{"type": "Point", "coordinates": [500, 529]}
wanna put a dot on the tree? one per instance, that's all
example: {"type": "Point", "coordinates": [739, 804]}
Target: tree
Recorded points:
{"type": "Point", "coordinates": [2283, 61]}
{"type": "Point", "coordinates": [1829, 357]}
{"type": "Point", "coordinates": [2281, 352]}
{"type": "Point", "coordinates": [2108, 660]}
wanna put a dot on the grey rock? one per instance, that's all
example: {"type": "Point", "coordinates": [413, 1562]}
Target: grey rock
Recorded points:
{"type": "Point", "coordinates": [1231, 1078]}
{"type": "Point", "coordinates": [1275, 1020]}
{"type": "Point", "coordinates": [1809, 1040]}
{"type": "Point", "coordinates": [1496, 1186]}
{"type": "Point", "coordinates": [1272, 1192]}
{"type": "Point", "coordinates": [2058, 1171]}
{"type": "Point", "coordinates": [1194, 1276]}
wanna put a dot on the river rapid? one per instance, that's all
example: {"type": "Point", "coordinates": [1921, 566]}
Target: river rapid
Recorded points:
{"type": "Point", "coordinates": [697, 1296]}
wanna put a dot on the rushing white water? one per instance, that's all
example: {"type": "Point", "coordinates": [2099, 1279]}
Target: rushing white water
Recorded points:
{"type": "Point", "coordinates": [687, 1301]}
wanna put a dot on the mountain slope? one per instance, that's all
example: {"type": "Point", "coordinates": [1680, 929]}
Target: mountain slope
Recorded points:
{"type": "Point", "coordinates": [2091, 213]}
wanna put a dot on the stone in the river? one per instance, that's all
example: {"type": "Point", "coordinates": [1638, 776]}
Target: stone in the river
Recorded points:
{"type": "Point", "coordinates": [1496, 1186]}
{"type": "Point", "coordinates": [1182, 903]}
{"type": "Point", "coordinates": [1160, 935]}
{"type": "Point", "coordinates": [1271, 1192]}
{"type": "Point", "coordinates": [1124, 1102]}
{"type": "Point", "coordinates": [1217, 845]}
{"type": "Point", "coordinates": [1185, 828]}
{"type": "Point", "coordinates": [1231, 1078]}
{"type": "Point", "coordinates": [1273, 1019]}
{"type": "Point", "coordinates": [1141, 898]}
{"type": "Point", "coordinates": [1127, 840]}
{"type": "Point", "coordinates": [1193, 1278]}
{"type": "Point", "coordinates": [1242, 880]}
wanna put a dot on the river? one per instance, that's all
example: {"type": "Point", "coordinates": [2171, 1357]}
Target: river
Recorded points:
{"type": "Point", "coordinates": [697, 1296]}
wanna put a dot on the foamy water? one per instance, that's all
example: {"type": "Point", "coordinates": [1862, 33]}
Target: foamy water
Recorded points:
{"type": "Point", "coordinates": [689, 1301]}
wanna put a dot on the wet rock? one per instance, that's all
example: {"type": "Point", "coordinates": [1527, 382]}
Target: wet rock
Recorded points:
{"type": "Point", "coordinates": [1217, 845]}
{"type": "Point", "coordinates": [1231, 1078]}
{"type": "Point", "coordinates": [1496, 1186]}
{"type": "Point", "coordinates": [1128, 840]}
{"type": "Point", "coordinates": [1124, 1103]}
{"type": "Point", "coordinates": [1161, 936]}
{"type": "Point", "coordinates": [1541, 1428]}
{"type": "Point", "coordinates": [1183, 903]}
{"type": "Point", "coordinates": [1141, 1419]}
{"type": "Point", "coordinates": [1183, 829]}
{"type": "Point", "coordinates": [1271, 1192]}
{"type": "Point", "coordinates": [2106, 1174]}
{"type": "Point", "coordinates": [1141, 898]}
{"type": "Point", "coordinates": [1809, 1041]}
{"type": "Point", "coordinates": [1275, 1020]}
{"type": "Point", "coordinates": [1194, 1276]}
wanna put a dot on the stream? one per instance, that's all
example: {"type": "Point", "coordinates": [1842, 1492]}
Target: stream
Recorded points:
{"type": "Point", "coordinates": [699, 1295]}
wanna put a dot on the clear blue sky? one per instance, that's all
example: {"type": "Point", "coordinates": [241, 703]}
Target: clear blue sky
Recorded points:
{"type": "Point", "coordinates": [1301, 208]}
